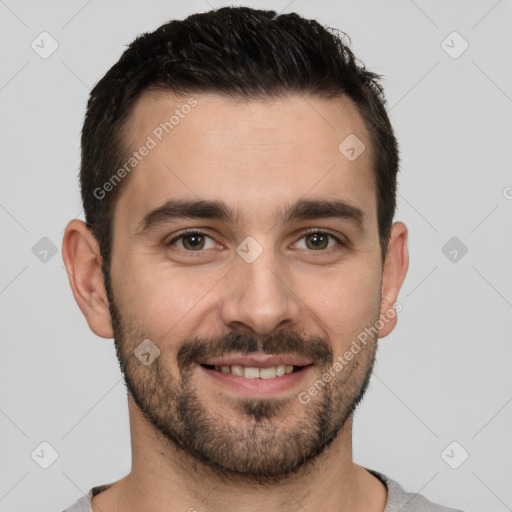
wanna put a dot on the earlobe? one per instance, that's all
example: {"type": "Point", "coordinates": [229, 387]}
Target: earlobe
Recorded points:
{"type": "Point", "coordinates": [394, 272]}
{"type": "Point", "coordinates": [81, 255]}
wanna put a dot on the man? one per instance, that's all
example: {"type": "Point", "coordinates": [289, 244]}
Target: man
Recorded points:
{"type": "Point", "coordinates": [238, 179]}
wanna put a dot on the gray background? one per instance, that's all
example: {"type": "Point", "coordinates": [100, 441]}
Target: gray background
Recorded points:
{"type": "Point", "coordinates": [444, 373]}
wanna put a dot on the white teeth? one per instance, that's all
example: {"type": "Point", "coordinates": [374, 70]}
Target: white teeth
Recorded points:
{"type": "Point", "coordinates": [268, 373]}
{"type": "Point", "coordinates": [280, 370]}
{"type": "Point", "coordinates": [250, 372]}
{"type": "Point", "coordinates": [236, 369]}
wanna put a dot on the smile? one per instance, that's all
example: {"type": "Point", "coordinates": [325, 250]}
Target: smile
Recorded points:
{"type": "Point", "coordinates": [257, 375]}
{"type": "Point", "coordinates": [252, 372]}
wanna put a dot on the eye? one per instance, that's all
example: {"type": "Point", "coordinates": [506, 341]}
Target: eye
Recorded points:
{"type": "Point", "coordinates": [319, 240]}
{"type": "Point", "coordinates": [192, 241]}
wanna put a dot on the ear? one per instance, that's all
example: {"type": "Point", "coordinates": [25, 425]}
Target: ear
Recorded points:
{"type": "Point", "coordinates": [82, 258]}
{"type": "Point", "coordinates": [393, 275]}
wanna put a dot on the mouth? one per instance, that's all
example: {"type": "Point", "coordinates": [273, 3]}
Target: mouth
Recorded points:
{"type": "Point", "coordinates": [254, 372]}
{"type": "Point", "coordinates": [258, 375]}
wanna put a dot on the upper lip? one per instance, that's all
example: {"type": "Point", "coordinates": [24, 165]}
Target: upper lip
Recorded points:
{"type": "Point", "coordinates": [258, 361]}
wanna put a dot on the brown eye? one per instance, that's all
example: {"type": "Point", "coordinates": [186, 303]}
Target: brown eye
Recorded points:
{"type": "Point", "coordinates": [318, 241]}
{"type": "Point", "coordinates": [193, 241]}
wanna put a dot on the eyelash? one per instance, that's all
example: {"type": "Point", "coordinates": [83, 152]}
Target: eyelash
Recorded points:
{"type": "Point", "coordinates": [199, 232]}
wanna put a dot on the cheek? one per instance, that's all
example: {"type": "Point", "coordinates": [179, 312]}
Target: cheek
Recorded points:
{"type": "Point", "coordinates": [346, 302]}
{"type": "Point", "coordinates": [162, 302]}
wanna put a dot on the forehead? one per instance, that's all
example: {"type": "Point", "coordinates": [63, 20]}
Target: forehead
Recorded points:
{"type": "Point", "coordinates": [254, 155]}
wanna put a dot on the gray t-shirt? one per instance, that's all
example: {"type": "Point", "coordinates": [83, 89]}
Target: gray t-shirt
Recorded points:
{"type": "Point", "coordinates": [398, 500]}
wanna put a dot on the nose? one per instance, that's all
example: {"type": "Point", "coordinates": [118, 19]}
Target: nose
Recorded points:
{"type": "Point", "coordinates": [259, 297]}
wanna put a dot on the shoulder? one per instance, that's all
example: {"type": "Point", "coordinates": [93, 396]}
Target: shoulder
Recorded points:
{"type": "Point", "coordinates": [84, 503]}
{"type": "Point", "coordinates": [400, 500]}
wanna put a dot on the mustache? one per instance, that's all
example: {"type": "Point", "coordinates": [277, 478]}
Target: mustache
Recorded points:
{"type": "Point", "coordinates": [197, 349]}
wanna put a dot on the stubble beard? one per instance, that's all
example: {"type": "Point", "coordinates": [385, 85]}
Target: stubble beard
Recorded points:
{"type": "Point", "coordinates": [262, 445]}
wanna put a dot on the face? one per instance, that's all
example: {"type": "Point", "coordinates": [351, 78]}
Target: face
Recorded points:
{"type": "Point", "coordinates": [246, 251]}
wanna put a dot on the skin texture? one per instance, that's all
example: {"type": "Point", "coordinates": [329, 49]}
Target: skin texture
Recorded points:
{"type": "Point", "coordinates": [196, 443]}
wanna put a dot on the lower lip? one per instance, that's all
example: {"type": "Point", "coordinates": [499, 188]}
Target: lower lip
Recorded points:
{"type": "Point", "coordinates": [257, 387]}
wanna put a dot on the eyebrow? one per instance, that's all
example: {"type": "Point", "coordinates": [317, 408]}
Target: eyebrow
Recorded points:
{"type": "Point", "coordinates": [213, 209]}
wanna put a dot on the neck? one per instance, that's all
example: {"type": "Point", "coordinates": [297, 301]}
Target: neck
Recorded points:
{"type": "Point", "coordinates": [165, 478]}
